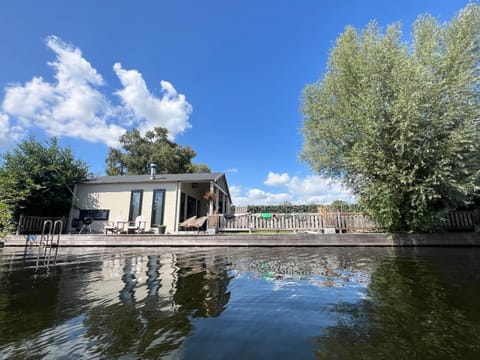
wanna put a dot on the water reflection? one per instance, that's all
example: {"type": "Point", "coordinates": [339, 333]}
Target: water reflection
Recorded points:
{"type": "Point", "coordinates": [242, 303]}
{"type": "Point", "coordinates": [414, 308]}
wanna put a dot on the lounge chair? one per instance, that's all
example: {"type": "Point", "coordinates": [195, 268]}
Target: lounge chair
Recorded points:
{"type": "Point", "coordinates": [187, 223]}
{"type": "Point", "coordinates": [137, 226]}
{"type": "Point", "coordinates": [198, 222]}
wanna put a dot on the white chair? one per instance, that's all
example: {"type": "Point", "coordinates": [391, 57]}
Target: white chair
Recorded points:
{"type": "Point", "coordinates": [115, 227]}
{"type": "Point", "coordinates": [137, 226]}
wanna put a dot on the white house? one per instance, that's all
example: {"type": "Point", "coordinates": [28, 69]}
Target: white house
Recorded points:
{"type": "Point", "coordinates": [162, 199]}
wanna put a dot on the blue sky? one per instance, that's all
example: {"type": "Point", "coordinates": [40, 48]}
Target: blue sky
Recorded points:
{"type": "Point", "coordinates": [225, 77]}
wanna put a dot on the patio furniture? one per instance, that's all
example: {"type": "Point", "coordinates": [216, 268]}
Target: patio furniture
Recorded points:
{"type": "Point", "coordinates": [187, 223]}
{"type": "Point", "coordinates": [137, 226]}
{"type": "Point", "coordinates": [199, 222]}
{"type": "Point", "coordinates": [116, 227]}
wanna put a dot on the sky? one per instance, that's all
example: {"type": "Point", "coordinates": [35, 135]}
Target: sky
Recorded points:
{"type": "Point", "coordinates": [223, 76]}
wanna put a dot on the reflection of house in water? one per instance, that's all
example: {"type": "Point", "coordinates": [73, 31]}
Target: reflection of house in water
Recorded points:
{"type": "Point", "coordinates": [148, 301]}
{"type": "Point", "coordinates": [133, 278]}
{"type": "Point", "coordinates": [196, 284]}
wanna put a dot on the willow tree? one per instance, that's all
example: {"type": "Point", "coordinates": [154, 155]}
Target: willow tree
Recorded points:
{"type": "Point", "coordinates": [399, 122]}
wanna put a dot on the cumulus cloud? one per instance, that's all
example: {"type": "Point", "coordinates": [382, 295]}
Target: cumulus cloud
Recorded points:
{"type": "Point", "coordinates": [171, 111]}
{"type": "Point", "coordinates": [8, 134]}
{"type": "Point", "coordinates": [75, 104]}
{"type": "Point", "coordinates": [241, 197]}
{"type": "Point", "coordinates": [274, 179]}
{"type": "Point", "coordinates": [296, 190]}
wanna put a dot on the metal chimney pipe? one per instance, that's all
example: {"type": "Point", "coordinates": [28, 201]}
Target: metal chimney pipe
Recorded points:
{"type": "Point", "coordinates": [153, 168]}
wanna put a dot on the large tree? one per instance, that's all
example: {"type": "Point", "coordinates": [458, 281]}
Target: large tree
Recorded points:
{"type": "Point", "coordinates": [37, 178]}
{"type": "Point", "coordinates": [399, 122]}
{"type": "Point", "coordinates": [154, 147]}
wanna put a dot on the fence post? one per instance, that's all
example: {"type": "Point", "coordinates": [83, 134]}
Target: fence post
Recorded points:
{"type": "Point", "coordinates": [20, 224]}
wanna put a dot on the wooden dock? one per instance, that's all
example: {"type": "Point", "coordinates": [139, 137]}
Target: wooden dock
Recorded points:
{"type": "Point", "coordinates": [252, 240]}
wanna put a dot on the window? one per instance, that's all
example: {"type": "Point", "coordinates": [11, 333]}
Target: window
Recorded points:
{"type": "Point", "coordinates": [94, 214]}
{"type": "Point", "coordinates": [158, 207]}
{"type": "Point", "coordinates": [135, 204]}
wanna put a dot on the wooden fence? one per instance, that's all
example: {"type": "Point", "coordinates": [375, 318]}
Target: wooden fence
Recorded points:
{"type": "Point", "coordinates": [326, 222]}
{"type": "Point", "coordinates": [335, 222]}
{"type": "Point", "coordinates": [34, 224]}
{"type": "Point", "coordinates": [459, 220]}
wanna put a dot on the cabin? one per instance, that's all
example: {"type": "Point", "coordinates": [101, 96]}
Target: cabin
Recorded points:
{"type": "Point", "coordinates": [163, 200]}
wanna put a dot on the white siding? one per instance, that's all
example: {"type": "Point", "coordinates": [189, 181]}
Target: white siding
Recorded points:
{"type": "Point", "coordinates": [116, 198]}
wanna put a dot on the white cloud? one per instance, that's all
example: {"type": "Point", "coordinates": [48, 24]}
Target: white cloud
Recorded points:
{"type": "Point", "coordinates": [274, 179]}
{"type": "Point", "coordinates": [310, 189]}
{"type": "Point", "coordinates": [74, 105]}
{"type": "Point", "coordinates": [8, 134]}
{"type": "Point", "coordinates": [241, 197]}
{"type": "Point", "coordinates": [171, 111]}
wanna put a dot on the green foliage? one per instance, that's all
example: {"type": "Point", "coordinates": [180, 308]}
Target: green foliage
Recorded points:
{"type": "Point", "coordinates": [288, 208]}
{"type": "Point", "coordinates": [37, 178]}
{"type": "Point", "coordinates": [398, 123]}
{"type": "Point", "coordinates": [6, 220]}
{"type": "Point", "coordinates": [285, 208]}
{"type": "Point", "coordinates": [155, 147]}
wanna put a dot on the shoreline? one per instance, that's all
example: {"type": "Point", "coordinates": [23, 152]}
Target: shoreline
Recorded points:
{"type": "Point", "coordinates": [468, 239]}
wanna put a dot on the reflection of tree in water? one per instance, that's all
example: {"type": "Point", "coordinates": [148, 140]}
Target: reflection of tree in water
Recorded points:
{"type": "Point", "coordinates": [202, 290]}
{"type": "Point", "coordinates": [33, 300]}
{"type": "Point", "coordinates": [409, 313]}
{"type": "Point", "coordinates": [158, 324]}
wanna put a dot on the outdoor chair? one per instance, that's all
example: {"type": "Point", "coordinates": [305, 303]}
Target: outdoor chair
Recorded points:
{"type": "Point", "coordinates": [187, 223]}
{"type": "Point", "coordinates": [115, 227]}
{"type": "Point", "coordinates": [198, 223]}
{"type": "Point", "coordinates": [137, 226]}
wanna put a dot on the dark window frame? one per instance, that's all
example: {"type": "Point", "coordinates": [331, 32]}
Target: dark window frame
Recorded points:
{"type": "Point", "coordinates": [130, 210]}
{"type": "Point", "coordinates": [154, 209]}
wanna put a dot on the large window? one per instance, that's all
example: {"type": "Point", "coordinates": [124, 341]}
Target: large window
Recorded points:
{"type": "Point", "coordinates": [158, 206]}
{"type": "Point", "coordinates": [135, 204]}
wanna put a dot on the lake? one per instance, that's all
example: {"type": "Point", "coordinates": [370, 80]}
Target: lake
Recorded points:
{"type": "Point", "coordinates": [240, 303]}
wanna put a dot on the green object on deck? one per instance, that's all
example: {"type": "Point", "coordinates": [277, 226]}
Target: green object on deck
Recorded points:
{"type": "Point", "coordinates": [266, 215]}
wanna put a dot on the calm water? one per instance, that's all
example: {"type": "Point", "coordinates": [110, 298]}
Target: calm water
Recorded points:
{"type": "Point", "coordinates": [241, 303]}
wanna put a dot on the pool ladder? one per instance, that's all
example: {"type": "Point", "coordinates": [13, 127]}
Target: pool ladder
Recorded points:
{"type": "Point", "coordinates": [49, 238]}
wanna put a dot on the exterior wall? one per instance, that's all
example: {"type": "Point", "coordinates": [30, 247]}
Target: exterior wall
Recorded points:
{"type": "Point", "coordinates": [116, 198]}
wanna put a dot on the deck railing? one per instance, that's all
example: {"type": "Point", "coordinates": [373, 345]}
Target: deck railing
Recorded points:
{"type": "Point", "coordinates": [326, 222]}
{"type": "Point", "coordinates": [34, 224]}
{"type": "Point", "coordinates": [338, 222]}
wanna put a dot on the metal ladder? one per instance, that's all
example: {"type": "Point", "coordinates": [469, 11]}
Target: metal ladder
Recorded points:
{"type": "Point", "coordinates": [49, 238]}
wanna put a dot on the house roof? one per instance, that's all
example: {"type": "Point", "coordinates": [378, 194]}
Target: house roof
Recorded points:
{"type": "Point", "coordinates": [159, 178]}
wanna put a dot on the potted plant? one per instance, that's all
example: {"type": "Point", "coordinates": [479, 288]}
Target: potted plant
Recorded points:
{"type": "Point", "coordinates": [161, 229]}
{"type": "Point", "coordinates": [210, 196]}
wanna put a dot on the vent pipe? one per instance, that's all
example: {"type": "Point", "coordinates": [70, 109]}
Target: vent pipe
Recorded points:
{"type": "Point", "coordinates": [153, 168]}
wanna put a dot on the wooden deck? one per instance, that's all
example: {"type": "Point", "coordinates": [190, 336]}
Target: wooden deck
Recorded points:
{"type": "Point", "coordinates": [253, 240]}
